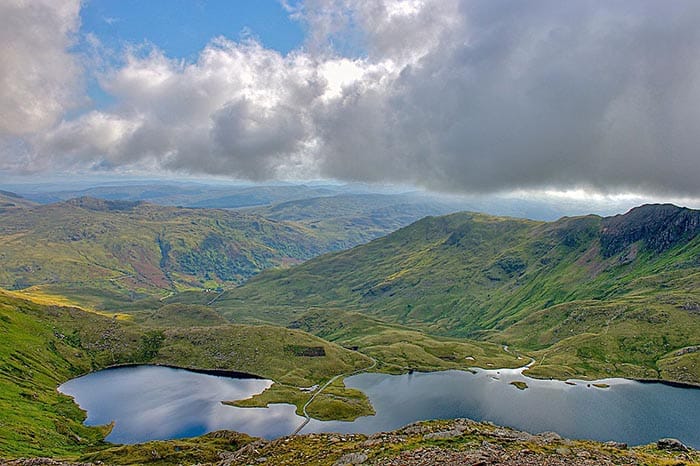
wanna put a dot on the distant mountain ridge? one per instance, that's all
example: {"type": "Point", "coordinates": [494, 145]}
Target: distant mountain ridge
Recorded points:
{"type": "Point", "coordinates": [213, 195]}
{"type": "Point", "coordinates": [10, 200]}
{"type": "Point", "coordinates": [103, 205]}
{"type": "Point", "coordinates": [10, 194]}
{"type": "Point", "coordinates": [187, 194]}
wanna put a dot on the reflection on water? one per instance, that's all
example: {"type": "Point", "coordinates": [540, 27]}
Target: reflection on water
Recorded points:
{"type": "Point", "coordinates": [150, 402]}
{"type": "Point", "coordinates": [626, 411]}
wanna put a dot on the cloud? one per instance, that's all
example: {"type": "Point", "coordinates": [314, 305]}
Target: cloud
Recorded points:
{"type": "Point", "coordinates": [470, 96]}
{"type": "Point", "coordinates": [521, 95]}
{"type": "Point", "coordinates": [39, 77]}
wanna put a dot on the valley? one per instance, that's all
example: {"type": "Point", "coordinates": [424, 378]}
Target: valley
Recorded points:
{"type": "Point", "coordinates": [44, 346]}
{"type": "Point", "coordinates": [93, 283]}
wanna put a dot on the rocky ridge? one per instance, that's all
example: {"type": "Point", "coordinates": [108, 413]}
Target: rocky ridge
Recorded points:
{"type": "Point", "coordinates": [659, 226]}
{"type": "Point", "coordinates": [453, 442]}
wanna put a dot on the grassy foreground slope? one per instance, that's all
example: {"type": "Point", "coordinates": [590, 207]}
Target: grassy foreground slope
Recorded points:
{"type": "Point", "coordinates": [42, 346]}
{"type": "Point", "coordinates": [594, 296]}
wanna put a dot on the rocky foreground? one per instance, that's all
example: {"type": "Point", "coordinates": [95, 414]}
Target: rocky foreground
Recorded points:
{"type": "Point", "coordinates": [454, 442]}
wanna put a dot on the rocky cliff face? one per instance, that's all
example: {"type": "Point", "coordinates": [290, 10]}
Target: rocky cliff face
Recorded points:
{"type": "Point", "coordinates": [659, 226]}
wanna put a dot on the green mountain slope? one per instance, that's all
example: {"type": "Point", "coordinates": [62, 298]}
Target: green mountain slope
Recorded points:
{"type": "Point", "coordinates": [107, 252]}
{"type": "Point", "coordinates": [478, 276]}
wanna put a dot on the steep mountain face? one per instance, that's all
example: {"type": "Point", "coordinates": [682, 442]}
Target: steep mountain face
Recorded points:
{"type": "Point", "coordinates": [465, 273]}
{"type": "Point", "coordinates": [659, 227]}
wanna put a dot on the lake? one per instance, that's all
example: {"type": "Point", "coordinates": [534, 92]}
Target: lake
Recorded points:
{"type": "Point", "coordinates": [155, 402]}
{"type": "Point", "coordinates": [151, 402]}
{"type": "Point", "coordinates": [627, 411]}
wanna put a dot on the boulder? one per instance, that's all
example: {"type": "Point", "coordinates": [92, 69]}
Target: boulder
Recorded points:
{"type": "Point", "coordinates": [351, 459]}
{"type": "Point", "coordinates": [671, 444]}
{"type": "Point", "coordinates": [442, 435]}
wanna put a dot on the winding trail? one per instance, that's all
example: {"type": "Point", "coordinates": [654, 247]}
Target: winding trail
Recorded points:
{"type": "Point", "coordinates": [526, 366]}
{"type": "Point", "coordinates": [347, 374]}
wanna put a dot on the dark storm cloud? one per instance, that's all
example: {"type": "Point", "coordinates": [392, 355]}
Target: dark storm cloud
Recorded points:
{"type": "Point", "coordinates": [529, 94]}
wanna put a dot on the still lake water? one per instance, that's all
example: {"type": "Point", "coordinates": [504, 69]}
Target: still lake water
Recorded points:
{"type": "Point", "coordinates": [155, 403]}
{"type": "Point", "coordinates": [150, 402]}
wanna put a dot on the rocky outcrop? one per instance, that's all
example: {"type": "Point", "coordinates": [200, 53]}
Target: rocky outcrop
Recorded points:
{"type": "Point", "coordinates": [456, 442]}
{"type": "Point", "coordinates": [671, 444]}
{"type": "Point", "coordinates": [453, 442]}
{"type": "Point", "coordinates": [350, 459]}
{"type": "Point", "coordinates": [658, 226]}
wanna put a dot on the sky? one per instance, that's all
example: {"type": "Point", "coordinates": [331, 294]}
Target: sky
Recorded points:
{"type": "Point", "coordinates": [463, 96]}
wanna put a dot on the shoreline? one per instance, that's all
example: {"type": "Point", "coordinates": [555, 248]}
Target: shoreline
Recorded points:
{"type": "Point", "coordinates": [246, 375]}
{"type": "Point", "coordinates": [672, 383]}
{"type": "Point", "coordinates": [522, 369]}
{"type": "Point", "coordinates": [216, 372]}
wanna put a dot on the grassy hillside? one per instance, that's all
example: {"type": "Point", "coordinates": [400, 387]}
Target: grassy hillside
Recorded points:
{"type": "Point", "coordinates": [42, 346]}
{"type": "Point", "coordinates": [110, 253]}
{"type": "Point", "coordinates": [181, 315]}
{"type": "Point", "coordinates": [106, 252]}
{"type": "Point", "coordinates": [399, 348]}
{"type": "Point", "coordinates": [487, 277]}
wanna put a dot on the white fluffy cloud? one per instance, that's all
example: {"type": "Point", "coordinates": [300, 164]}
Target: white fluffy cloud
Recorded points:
{"type": "Point", "coordinates": [452, 95]}
{"type": "Point", "coordinates": [39, 78]}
